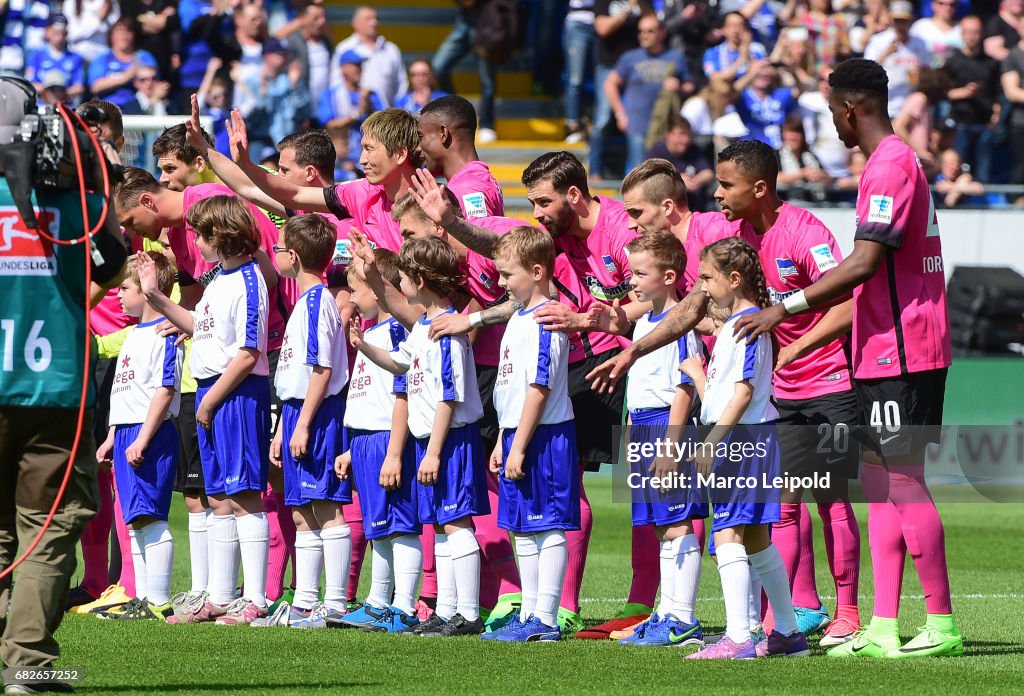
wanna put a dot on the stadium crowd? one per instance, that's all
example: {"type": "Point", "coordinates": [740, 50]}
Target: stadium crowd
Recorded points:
{"type": "Point", "coordinates": [675, 78]}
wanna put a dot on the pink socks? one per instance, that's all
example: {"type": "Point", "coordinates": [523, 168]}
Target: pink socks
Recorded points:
{"type": "Point", "coordinates": [842, 546]}
{"type": "Point", "coordinates": [96, 538]}
{"type": "Point", "coordinates": [428, 589]}
{"type": "Point", "coordinates": [353, 514]}
{"type": "Point", "coordinates": [127, 579]}
{"type": "Point", "coordinates": [282, 541]}
{"type": "Point", "coordinates": [499, 573]}
{"type": "Point", "coordinates": [646, 566]}
{"type": "Point", "coordinates": [805, 589]}
{"type": "Point", "coordinates": [578, 542]}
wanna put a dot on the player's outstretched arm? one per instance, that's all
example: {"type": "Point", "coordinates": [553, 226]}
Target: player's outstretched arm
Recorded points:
{"type": "Point", "coordinates": [285, 193]}
{"type": "Point", "coordinates": [679, 320]}
{"type": "Point", "coordinates": [455, 324]}
{"type": "Point", "coordinates": [430, 196]}
{"type": "Point", "coordinates": [852, 271]}
{"type": "Point", "coordinates": [381, 358]}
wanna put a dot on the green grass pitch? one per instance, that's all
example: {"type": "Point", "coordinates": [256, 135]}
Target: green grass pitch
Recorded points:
{"type": "Point", "coordinates": [986, 560]}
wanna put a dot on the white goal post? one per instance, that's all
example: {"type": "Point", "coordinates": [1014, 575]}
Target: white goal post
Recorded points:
{"type": "Point", "coordinates": [141, 131]}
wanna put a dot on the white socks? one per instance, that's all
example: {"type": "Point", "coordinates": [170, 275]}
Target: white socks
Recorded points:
{"type": "Point", "coordinates": [381, 587]}
{"type": "Point", "coordinates": [529, 573]}
{"type": "Point", "coordinates": [158, 552]}
{"type": "Point", "coordinates": [680, 578]}
{"type": "Point", "coordinates": [309, 561]}
{"type": "Point", "coordinates": [552, 559]}
{"type": "Point", "coordinates": [772, 570]}
{"type": "Point", "coordinates": [465, 551]}
{"type": "Point", "coordinates": [735, 573]}
{"type": "Point", "coordinates": [754, 601]}
{"type": "Point", "coordinates": [408, 561]}
{"type": "Point", "coordinates": [254, 541]}
{"type": "Point", "coordinates": [223, 559]}
{"type": "Point", "coordinates": [138, 562]}
{"type": "Point", "coordinates": [445, 568]}
{"type": "Point", "coordinates": [337, 543]}
{"type": "Point", "coordinates": [199, 554]}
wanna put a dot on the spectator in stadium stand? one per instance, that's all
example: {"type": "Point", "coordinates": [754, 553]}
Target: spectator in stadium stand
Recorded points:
{"type": "Point", "coordinates": [55, 89]}
{"type": "Point", "coordinates": [914, 121]}
{"type": "Point", "coordinates": [460, 43]}
{"type": "Point", "coordinates": [615, 25]}
{"type": "Point", "coordinates": [150, 94]}
{"type": "Point", "coordinates": [89, 25]}
{"type": "Point", "coordinates": [421, 88]}
{"type": "Point", "coordinates": [311, 46]}
{"type": "Point", "coordinates": [1013, 89]}
{"type": "Point", "coordinates": [974, 99]}
{"type": "Point", "coordinates": [199, 19]}
{"type": "Point", "coordinates": [799, 169]}
{"type": "Point", "coordinates": [579, 44]}
{"type": "Point", "coordinates": [763, 105]}
{"type": "Point", "coordinates": [731, 59]}
{"type": "Point", "coordinates": [111, 76]}
{"type": "Point", "coordinates": [901, 54]}
{"type": "Point", "coordinates": [639, 77]}
{"type": "Point", "coordinates": [827, 29]}
{"type": "Point", "coordinates": [794, 51]}
{"type": "Point", "coordinates": [21, 32]}
{"type": "Point", "coordinates": [384, 71]}
{"type": "Point", "coordinates": [941, 33]}
{"type": "Point", "coordinates": [242, 51]}
{"type": "Point", "coordinates": [281, 99]}
{"type": "Point", "coordinates": [689, 22]}
{"type": "Point", "coordinates": [849, 184]}
{"type": "Point", "coordinates": [821, 131]}
{"type": "Point", "coordinates": [55, 59]}
{"type": "Point", "coordinates": [762, 17]}
{"type": "Point", "coordinates": [215, 101]}
{"type": "Point", "coordinates": [706, 107]}
{"type": "Point", "coordinates": [159, 32]}
{"type": "Point", "coordinates": [343, 108]}
{"type": "Point", "coordinates": [874, 19]}
{"type": "Point", "coordinates": [689, 161]}
{"type": "Point", "coordinates": [1001, 30]}
{"type": "Point", "coordinates": [954, 184]}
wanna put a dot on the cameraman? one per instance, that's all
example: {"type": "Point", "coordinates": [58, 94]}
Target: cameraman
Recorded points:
{"type": "Point", "coordinates": [43, 305]}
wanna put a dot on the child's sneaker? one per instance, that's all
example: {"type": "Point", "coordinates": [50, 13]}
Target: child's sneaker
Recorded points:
{"type": "Point", "coordinates": [138, 610]}
{"type": "Point", "coordinates": [207, 611]}
{"type": "Point", "coordinates": [458, 625]}
{"type": "Point", "coordinates": [393, 621]}
{"type": "Point", "coordinates": [533, 631]}
{"type": "Point", "coordinates": [726, 649]}
{"type": "Point", "coordinates": [432, 625]}
{"type": "Point", "coordinates": [778, 645]}
{"type": "Point", "coordinates": [671, 633]}
{"type": "Point", "coordinates": [838, 632]}
{"type": "Point", "coordinates": [640, 630]}
{"type": "Point", "coordinates": [111, 597]}
{"type": "Point", "coordinates": [314, 618]}
{"type": "Point", "coordinates": [280, 616]}
{"type": "Point", "coordinates": [493, 633]}
{"type": "Point", "coordinates": [364, 615]}
{"type": "Point", "coordinates": [811, 621]}
{"type": "Point", "coordinates": [241, 612]}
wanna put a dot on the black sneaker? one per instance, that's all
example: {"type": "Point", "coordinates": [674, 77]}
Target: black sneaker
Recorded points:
{"type": "Point", "coordinates": [433, 625]}
{"type": "Point", "coordinates": [459, 626]}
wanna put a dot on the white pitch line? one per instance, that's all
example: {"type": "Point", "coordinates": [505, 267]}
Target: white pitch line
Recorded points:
{"type": "Point", "coordinates": [619, 600]}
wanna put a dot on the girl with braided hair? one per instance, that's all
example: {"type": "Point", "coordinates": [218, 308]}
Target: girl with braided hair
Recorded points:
{"type": "Point", "coordinates": [739, 458]}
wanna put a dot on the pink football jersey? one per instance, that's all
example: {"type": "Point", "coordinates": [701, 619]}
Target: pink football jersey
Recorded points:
{"type": "Point", "coordinates": [478, 193]}
{"type": "Point", "coordinates": [601, 260]}
{"type": "Point", "coordinates": [900, 320]}
{"type": "Point", "coordinates": [795, 252]}
{"type": "Point", "coordinates": [368, 205]}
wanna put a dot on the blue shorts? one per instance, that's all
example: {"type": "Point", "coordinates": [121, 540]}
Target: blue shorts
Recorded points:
{"type": "Point", "coordinates": [755, 504]}
{"type": "Point", "coordinates": [662, 506]}
{"type": "Point", "coordinates": [461, 488]}
{"type": "Point", "coordinates": [234, 450]}
{"type": "Point", "coordinates": [312, 477]}
{"type": "Point", "coordinates": [146, 490]}
{"type": "Point", "coordinates": [384, 513]}
{"type": "Point", "coordinates": [548, 497]}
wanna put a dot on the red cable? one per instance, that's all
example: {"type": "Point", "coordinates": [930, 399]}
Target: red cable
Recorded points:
{"type": "Point", "coordinates": [88, 337]}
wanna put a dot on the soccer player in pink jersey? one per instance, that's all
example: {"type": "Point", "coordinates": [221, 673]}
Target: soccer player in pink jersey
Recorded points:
{"type": "Point", "coordinates": [447, 143]}
{"type": "Point", "coordinates": [900, 353]}
{"type": "Point", "coordinates": [389, 159]}
{"type": "Point", "coordinates": [813, 393]}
